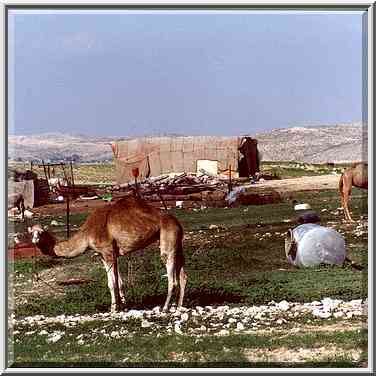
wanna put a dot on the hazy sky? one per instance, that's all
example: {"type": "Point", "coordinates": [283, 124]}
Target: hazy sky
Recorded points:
{"type": "Point", "coordinates": [127, 73]}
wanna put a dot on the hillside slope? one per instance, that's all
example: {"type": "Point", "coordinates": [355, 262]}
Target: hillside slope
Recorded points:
{"type": "Point", "coordinates": [340, 143]}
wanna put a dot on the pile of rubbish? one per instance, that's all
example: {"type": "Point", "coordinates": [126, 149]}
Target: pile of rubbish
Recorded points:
{"type": "Point", "coordinates": [177, 184]}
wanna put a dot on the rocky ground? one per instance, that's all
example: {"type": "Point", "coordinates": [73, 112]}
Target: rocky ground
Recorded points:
{"type": "Point", "coordinates": [199, 321]}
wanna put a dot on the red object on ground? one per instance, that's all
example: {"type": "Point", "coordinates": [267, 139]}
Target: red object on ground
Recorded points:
{"type": "Point", "coordinates": [135, 172]}
{"type": "Point", "coordinates": [23, 250]}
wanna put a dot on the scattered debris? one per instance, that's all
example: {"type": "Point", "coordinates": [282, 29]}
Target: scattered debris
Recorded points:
{"type": "Point", "coordinates": [106, 197]}
{"type": "Point", "coordinates": [234, 195]}
{"type": "Point", "coordinates": [54, 222]}
{"type": "Point", "coordinates": [302, 207]}
{"type": "Point", "coordinates": [89, 198]}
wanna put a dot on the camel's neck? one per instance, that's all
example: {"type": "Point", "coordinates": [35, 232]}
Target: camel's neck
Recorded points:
{"type": "Point", "coordinates": [73, 247]}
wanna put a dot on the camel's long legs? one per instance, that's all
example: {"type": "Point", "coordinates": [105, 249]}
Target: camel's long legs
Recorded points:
{"type": "Point", "coordinates": [170, 267]}
{"type": "Point", "coordinates": [182, 281]}
{"type": "Point", "coordinates": [346, 192]}
{"type": "Point", "coordinates": [111, 270]}
{"type": "Point", "coordinates": [171, 253]}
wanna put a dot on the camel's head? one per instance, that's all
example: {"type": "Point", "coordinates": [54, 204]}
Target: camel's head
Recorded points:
{"type": "Point", "coordinates": [42, 239]}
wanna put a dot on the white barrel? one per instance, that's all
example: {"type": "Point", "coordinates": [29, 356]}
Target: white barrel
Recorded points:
{"type": "Point", "coordinates": [311, 244]}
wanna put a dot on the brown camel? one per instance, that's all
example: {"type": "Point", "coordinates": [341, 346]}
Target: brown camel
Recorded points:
{"type": "Point", "coordinates": [127, 225]}
{"type": "Point", "coordinates": [357, 176]}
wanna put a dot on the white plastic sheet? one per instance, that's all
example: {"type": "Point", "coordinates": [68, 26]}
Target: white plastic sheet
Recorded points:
{"type": "Point", "coordinates": [311, 244]}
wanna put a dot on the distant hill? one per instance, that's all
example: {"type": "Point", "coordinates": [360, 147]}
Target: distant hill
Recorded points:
{"type": "Point", "coordinates": [319, 144]}
{"type": "Point", "coordinates": [57, 146]}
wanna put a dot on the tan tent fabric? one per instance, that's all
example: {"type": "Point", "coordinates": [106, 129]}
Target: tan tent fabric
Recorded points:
{"type": "Point", "coordinates": [161, 155]}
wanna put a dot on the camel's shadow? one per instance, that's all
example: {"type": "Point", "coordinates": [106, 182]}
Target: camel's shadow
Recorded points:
{"type": "Point", "coordinates": [194, 297]}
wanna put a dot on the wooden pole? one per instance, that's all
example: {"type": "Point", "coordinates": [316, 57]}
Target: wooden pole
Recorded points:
{"type": "Point", "coordinates": [67, 198]}
{"type": "Point", "coordinates": [45, 174]}
{"type": "Point", "coordinates": [230, 181]}
{"type": "Point", "coordinates": [65, 175]}
{"type": "Point", "coordinates": [164, 204]}
{"type": "Point", "coordinates": [135, 183]}
{"type": "Point", "coordinates": [71, 168]}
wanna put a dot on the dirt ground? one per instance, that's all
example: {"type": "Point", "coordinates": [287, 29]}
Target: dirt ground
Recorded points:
{"type": "Point", "coordinates": [305, 183]}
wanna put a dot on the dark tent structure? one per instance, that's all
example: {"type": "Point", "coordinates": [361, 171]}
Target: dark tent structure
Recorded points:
{"type": "Point", "coordinates": [249, 162]}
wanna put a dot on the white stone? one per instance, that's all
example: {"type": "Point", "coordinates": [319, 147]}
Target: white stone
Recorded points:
{"type": "Point", "coordinates": [134, 314]}
{"type": "Point", "coordinates": [234, 311]}
{"type": "Point", "coordinates": [156, 310]}
{"type": "Point", "coordinates": [55, 337]}
{"type": "Point", "coordinates": [223, 332]}
{"type": "Point", "coordinates": [177, 329]}
{"type": "Point", "coordinates": [146, 324]}
{"type": "Point", "coordinates": [283, 305]}
{"type": "Point", "coordinates": [184, 316]}
{"type": "Point", "coordinates": [321, 314]}
{"type": "Point", "coordinates": [240, 326]}
{"type": "Point", "coordinates": [338, 314]}
{"type": "Point", "coordinates": [114, 334]}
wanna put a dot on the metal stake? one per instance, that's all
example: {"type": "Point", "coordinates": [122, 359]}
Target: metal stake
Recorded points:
{"type": "Point", "coordinates": [67, 198]}
{"type": "Point", "coordinates": [230, 181]}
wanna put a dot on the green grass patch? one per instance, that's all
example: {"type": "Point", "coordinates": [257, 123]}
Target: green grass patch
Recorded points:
{"type": "Point", "coordinates": [174, 350]}
{"type": "Point", "coordinates": [243, 262]}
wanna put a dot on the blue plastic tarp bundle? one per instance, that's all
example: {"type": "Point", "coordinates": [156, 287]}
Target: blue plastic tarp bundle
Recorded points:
{"type": "Point", "coordinates": [311, 244]}
{"type": "Point", "coordinates": [234, 194]}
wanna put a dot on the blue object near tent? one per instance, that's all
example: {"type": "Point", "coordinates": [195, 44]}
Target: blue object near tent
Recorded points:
{"type": "Point", "coordinates": [311, 245]}
{"type": "Point", "coordinates": [234, 194]}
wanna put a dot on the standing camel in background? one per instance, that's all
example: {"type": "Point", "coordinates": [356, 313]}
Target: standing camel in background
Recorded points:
{"type": "Point", "coordinates": [127, 225]}
{"type": "Point", "coordinates": [356, 176]}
